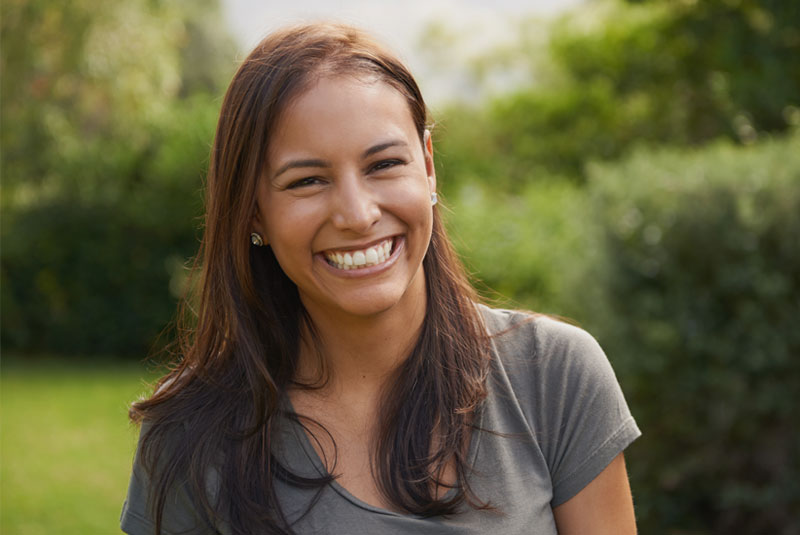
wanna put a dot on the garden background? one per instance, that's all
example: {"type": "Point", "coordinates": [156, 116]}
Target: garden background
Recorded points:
{"type": "Point", "coordinates": [641, 176]}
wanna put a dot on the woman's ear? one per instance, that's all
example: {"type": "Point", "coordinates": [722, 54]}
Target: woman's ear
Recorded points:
{"type": "Point", "coordinates": [257, 227]}
{"type": "Point", "coordinates": [430, 169]}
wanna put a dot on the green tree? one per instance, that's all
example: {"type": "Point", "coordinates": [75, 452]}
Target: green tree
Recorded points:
{"type": "Point", "coordinates": [623, 75]}
{"type": "Point", "coordinates": [107, 116]}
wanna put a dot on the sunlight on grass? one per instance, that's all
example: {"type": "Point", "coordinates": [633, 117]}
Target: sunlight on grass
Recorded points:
{"type": "Point", "coordinates": [66, 444]}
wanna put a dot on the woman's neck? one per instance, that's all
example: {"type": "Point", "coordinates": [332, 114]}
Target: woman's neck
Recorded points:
{"type": "Point", "coordinates": [360, 352]}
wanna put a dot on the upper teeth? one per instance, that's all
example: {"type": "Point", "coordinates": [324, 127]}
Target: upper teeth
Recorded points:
{"type": "Point", "coordinates": [377, 254]}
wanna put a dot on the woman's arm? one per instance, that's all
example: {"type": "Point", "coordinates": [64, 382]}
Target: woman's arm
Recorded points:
{"type": "Point", "coordinates": [604, 506]}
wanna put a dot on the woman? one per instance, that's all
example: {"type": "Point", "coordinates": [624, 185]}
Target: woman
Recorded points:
{"type": "Point", "coordinates": [339, 376]}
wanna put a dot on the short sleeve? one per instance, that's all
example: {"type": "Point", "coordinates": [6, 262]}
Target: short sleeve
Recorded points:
{"type": "Point", "coordinates": [180, 514]}
{"type": "Point", "coordinates": [582, 420]}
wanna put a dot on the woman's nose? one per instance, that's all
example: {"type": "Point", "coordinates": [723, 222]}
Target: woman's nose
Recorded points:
{"type": "Point", "coordinates": [355, 207]}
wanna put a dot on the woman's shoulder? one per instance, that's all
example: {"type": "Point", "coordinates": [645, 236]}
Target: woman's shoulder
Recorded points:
{"type": "Point", "coordinates": [543, 358]}
{"type": "Point", "coordinates": [557, 377]}
{"type": "Point", "coordinates": [537, 336]}
{"type": "Point", "coordinates": [182, 512]}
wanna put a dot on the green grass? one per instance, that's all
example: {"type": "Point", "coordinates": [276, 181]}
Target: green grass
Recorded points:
{"type": "Point", "coordinates": [66, 446]}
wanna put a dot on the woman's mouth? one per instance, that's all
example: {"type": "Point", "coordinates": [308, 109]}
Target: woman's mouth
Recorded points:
{"type": "Point", "coordinates": [361, 258]}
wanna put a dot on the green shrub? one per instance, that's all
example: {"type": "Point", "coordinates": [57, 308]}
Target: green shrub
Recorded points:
{"type": "Point", "coordinates": [702, 282]}
{"type": "Point", "coordinates": [530, 247]}
{"type": "Point", "coordinates": [618, 75]}
{"type": "Point", "coordinates": [104, 289]}
{"type": "Point", "coordinates": [108, 116]}
{"type": "Point", "coordinates": [99, 271]}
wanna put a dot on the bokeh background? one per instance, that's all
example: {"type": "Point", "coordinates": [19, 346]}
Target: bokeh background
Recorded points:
{"type": "Point", "coordinates": [631, 165]}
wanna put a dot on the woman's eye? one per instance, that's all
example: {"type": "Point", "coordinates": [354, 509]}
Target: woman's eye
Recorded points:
{"type": "Point", "coordinates": [307, 181]}
{"type": "Point", "coordinates": [386, 164]}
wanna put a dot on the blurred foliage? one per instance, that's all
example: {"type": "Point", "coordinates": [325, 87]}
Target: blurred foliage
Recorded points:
{"type": "Point", "coordinates": [702, 285]}
{"type": "Point", "coordinates": [108, 112]}
{"type": "Point", "coordinates": [682, 260]}
{"type": "Point", "coordinates": [622, 75]}
{"type": "Point", "coordinates": [685, 264]}
{"type": "Point", "coordinates": [521, 247]}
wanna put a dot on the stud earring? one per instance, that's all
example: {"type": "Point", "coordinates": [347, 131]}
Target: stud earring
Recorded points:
{"type": "Point", "coordinates": [256, 239]}
{"type": "Point", "coordinates": [434, 198]}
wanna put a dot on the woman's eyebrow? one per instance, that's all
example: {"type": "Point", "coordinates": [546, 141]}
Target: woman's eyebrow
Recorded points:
{"type": "Point", "coordinates": [313, 162]}
{"type": "Point", "coordinates": [294, 164]}
{"type": "Point", "coordinates": [383, 146]}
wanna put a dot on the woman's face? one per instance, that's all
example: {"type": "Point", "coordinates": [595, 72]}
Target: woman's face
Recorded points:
{"type": "Point", "coordinates": [345, 200]}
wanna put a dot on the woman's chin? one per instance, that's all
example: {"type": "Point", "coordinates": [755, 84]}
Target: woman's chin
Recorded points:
{"type": "Point", "coordinates": [371, 304]}
{"type": "Point", "coordinates": [368, 302]}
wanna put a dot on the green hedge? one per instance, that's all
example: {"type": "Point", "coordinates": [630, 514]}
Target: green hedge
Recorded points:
{"type": "Point", "coordinates": [702, 286]}
{"type": "Point", "coordinates": [98, 270]}
{"type": "Point", "coordinates": [527, 249]}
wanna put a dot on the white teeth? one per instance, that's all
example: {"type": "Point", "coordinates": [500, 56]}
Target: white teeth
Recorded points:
{"type": "Point", "coordinates": [377, 254]}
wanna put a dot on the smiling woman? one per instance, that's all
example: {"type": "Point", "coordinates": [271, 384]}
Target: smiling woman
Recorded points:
{"type": "Point", "coordinates": [340, 375]}
{"type": "Point", "coordinates": [346, 172]}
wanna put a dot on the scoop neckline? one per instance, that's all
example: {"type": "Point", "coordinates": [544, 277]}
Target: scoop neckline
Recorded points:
{"type": "Point", "coordinates": [312, 455]}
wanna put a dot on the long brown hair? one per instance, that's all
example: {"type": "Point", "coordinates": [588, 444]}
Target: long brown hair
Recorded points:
{"type": "Point", "coordinates": [239, 336]}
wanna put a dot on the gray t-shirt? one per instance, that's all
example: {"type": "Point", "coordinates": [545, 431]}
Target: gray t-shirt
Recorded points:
{"type": "Point", "coordinates": [554, 418]}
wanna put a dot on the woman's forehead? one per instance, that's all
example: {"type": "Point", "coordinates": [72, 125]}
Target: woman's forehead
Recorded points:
{"type": "Point", "coordinates": [332, 87]}
{"type": "Point", "coordinates": [332, 110]}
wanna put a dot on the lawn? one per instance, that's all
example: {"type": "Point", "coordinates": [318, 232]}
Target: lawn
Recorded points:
{"type": "Point", "coordinates": [65, 443]}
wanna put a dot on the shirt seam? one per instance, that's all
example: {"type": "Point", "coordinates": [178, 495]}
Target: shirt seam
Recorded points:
{"type": "Point", "coordinates": [597, 451]}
